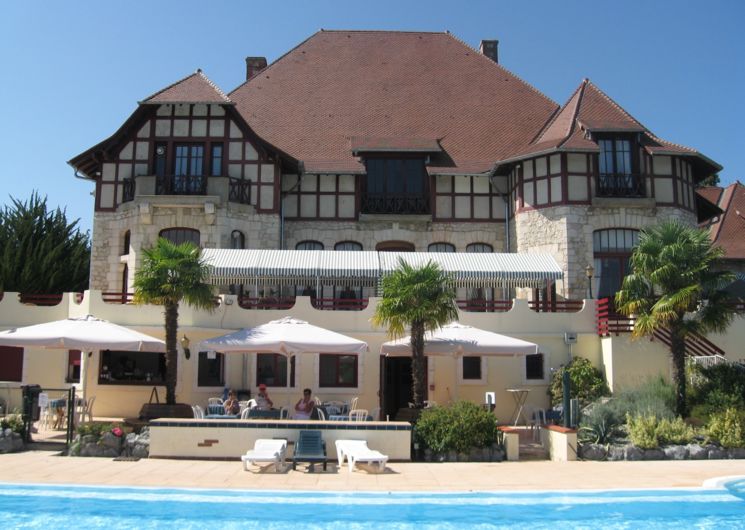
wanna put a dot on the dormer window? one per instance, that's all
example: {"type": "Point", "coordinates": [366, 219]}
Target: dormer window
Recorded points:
{"type": "Point", "coordinates": [396, 186]}
{"type": "Point", "coordinates": [618, 174]}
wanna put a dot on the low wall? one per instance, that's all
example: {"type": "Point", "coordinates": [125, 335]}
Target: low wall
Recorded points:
{"type": "Point", "coordinates": [560, 442]}
{"type": "Point", "coordinates": [511, 443]}
{"type": "Point", "coordinates": [190, 438]}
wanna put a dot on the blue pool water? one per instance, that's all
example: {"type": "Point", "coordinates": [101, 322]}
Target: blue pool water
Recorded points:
{"type": "Point", "coordinates": [48, 507]}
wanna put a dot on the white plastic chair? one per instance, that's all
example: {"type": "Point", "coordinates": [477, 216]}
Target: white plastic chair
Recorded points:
{"type": "Point", "coordinates": [268, 451]}
{"type": "Point", "coordinates": [245, 413]}
{"type": "Point", "coordinates": [321, 414]}
{"type": "Point", "coordinates": [537, 420]}
{"type": "Point", "coordinates": [353, 403]}
{"type": "Point", "coordinates": [88, 409]}
{"type": "Point", "coordinates": [214, 401]}
{"type": "Point", "coordinates": [198, 412]}
{"type": "Point", "coordinates": [358, 415]}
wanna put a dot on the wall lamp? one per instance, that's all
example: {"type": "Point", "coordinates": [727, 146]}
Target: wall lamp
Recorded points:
{"type": "Point", "coordinates": [589, 270]}
{"type": "Point", "coordinates": [185, 342]}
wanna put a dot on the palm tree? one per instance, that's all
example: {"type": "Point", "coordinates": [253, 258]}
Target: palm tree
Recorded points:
{"type": "Point", "coordinates": [421, 299]}
{"type": "Point", "coordinates": [170, 274]}
{"type": "Point", "coordinates": [673, 286]}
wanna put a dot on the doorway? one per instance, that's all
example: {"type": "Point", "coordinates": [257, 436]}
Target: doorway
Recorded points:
{"type": "Point", "coordinates": [395, 384]}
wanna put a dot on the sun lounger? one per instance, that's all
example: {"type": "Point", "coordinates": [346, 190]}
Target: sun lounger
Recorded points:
{"type": "Point", "coordinates": [310, 448]}
{"type": "Point", "coordinates": [357, 451]}
{"type": "Point", "coordinates": [271, 451]}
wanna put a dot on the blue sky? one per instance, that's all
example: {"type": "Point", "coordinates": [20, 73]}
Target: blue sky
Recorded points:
{"type": "Point", "coordinates": [72, 72]}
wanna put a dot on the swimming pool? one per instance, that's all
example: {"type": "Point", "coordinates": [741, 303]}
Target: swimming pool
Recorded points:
{"type": "Point", "coordinates": [48, 507]}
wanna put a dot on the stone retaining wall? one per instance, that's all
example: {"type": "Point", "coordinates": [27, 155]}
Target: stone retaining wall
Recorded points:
{"type": "Point", "coordinates": [670, 452]}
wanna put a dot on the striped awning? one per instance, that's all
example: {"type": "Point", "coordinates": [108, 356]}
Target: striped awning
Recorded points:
{"type": "Point", "coordinates": [366, 268]}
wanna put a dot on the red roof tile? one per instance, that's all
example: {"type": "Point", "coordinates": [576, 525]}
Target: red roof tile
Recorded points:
{"type": "Point", "coordinates": [728, 230]}
{"type": "Point", "coordinates": [361, 144]}
{"type": "Point", "coordinates": [342, 84]}
{"type": "Point", "coordinates": [194, 88]}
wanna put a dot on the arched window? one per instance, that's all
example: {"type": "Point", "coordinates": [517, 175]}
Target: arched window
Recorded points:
{"type": "Point", "coordinates": [309, 245]}
{"type": "Point", "coordinates": [180, 235]}
{"type": "Point", "coordinates": [126, 243]}
{"type": "Point", "coordinates": [441, 247]}
{"type": "Point", "coordinates": [394, 246]}
{"type": "Point", "coordinates": [348, 245]}
{"type": "Point", "coordinates": [237, 239]}
{"type": "Point", "coordinates": [483, 248]}
{"type": "Point", "coordinates": [612, 250]}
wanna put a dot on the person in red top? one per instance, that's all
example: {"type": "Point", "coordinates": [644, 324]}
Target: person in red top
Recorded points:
{"type": "Point", "coordinates": [304, 407]}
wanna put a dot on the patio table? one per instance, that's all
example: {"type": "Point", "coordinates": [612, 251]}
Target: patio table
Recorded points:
{"type": "Point", "coordinates": [213, 410]}
{"type": "Point", "coordinates": [519, 395]}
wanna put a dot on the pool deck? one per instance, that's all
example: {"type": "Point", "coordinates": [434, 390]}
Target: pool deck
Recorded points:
{"type": "Point", "coordinates": [44, 467]}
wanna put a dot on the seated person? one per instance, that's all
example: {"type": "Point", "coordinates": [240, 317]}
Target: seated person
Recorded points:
{"type": "Point", "coordinates": [262, 399]}
{"type": "Point", "coordinates": [304, 407]}
{"type": "Point", "coordinates": [231, 405]}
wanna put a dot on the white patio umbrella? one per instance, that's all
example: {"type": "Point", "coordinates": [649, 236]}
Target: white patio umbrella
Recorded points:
{"type": "Point", "coordinates": [456, 339]}
{"type": "Point", "coordinates": [86, 333]}
{"type": "Point", "coordinates": [81, 333]}
{"type": "Point", "coordinates": [287, 336]}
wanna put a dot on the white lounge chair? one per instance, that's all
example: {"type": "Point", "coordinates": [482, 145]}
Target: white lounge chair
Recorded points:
{"type": "Point", "coordinates": [266, 451]}
{"type": "Point", "coordinates": [357, 451]}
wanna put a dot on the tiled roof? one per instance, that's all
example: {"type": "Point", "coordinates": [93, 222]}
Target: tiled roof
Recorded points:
{"type": "Point", "coordinates": [342, 84]}
{"type": "Point", "coordinates": [194, 88]}
{"type": "Point", "coordinates": [360, 144]}
{"type": "Point", "coordinates": [728, 230]}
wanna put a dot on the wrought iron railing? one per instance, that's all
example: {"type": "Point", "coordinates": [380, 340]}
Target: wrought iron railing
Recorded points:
{"type": "Point", "coordinates": [480, 305]}
{"type": "Point", "coordinates": [395, 204]}
{"type": "Point", "coordinates": [239, 191]}
{"type": "Point", "coordinates": [268, 302]}
{"type": "Point", "coordinates": [556, 306]}
{"type": "Point", "coordinates": [620, 185]}
{"type": "Point", "coordinates": [340, 304]}
{"type": "Point", "coordinates": [128, 189]}
{"type": "Point", "coordinates": [181, 185]}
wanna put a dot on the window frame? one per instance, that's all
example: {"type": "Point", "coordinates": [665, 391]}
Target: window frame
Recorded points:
{"type": "Point", "coordinates": [545, 367]}
{"type": "Point", "coordinates": [338, 358]}
{"type": "Point", "coordinates": [383, 178]}
{"type": "Point", "coordinates": [107, 379]}
{"type": "Point", "coordinates": [483, 376]}
{"type": "Point", "coordinates": [73, 365]}
{"type": "Point", "coordinates": [221, 361]}
{"type": "Point", "coordinates": [290, 371]}
{"type": "Point", "coordinates": [441, 246]}
{"type": "Point", "coordinates": [184, 231]}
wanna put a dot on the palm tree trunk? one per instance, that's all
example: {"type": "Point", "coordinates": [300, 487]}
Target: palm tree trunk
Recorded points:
{"type": "Point", "coordinates": [417, 364]}
{"type": "Point", "coordinates": [171, 352]}
{"type": "Point", "coordinates": [677, 349]}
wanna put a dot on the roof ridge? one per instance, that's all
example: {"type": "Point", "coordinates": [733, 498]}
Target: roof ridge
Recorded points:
{"type": "Point", "coordinates": [575, 114]}
{"type": "Point", "coordinates": [199, 73]}
{"type": "Point", "coordinates": [478, 53]}
{"type": "Point", "coordinates": [446, 32]}
{"type": "Point", "coordinates": [555, 116]}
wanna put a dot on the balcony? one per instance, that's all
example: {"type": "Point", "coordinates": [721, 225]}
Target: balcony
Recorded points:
{"type": "Point", "coordinates": [620, 185]}
{"type": "Point", "coordinates": [228, 189]}
{"type": "Point", "coordinates": [395, 204]}
{"type": "Point", "coordinates": [181, 185]}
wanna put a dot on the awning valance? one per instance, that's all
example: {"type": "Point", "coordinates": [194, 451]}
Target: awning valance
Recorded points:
{"type": "Point", "coordinates": [366, 268]}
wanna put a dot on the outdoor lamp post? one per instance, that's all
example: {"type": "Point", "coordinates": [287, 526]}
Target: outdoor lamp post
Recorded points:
{"type": "Point", "coordinates": [588, 271]}
{"type": "Point", "coordinates": [185, 342]}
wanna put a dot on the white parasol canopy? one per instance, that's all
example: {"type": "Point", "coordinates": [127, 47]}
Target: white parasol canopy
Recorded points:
{"type": "Point", "coordinates": [81, 333]}
{"type": "Point", "coordinates": [457, 339]}
{"type": "Point", "coordinates": [288, 336]}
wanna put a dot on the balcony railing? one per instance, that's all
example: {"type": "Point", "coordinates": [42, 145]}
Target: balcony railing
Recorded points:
{"type": "Point", "coordinates": [181, 185]}
{"type": "Point", "coordinates": [395, 204]}
{"type": "Point", "coordinates": [480, 305]}
{"type": "Point", "coordinates": [45, 299]}
{"type": "Point", "coordinates": [556, 306]}
{"type": "Point", "coordinates": [620, 185]}
{"type": "Point", "coordinates": [269, 302]}
{"type": "Point", "coordinates": [340, 304]}
{"type": "Point", "coordinates": [239, 191]}
{"type": "Point", "coordinates": [128, 189]}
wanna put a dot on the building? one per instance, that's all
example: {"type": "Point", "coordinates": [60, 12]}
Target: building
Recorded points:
{"type": "Point", "coordinates": [381, 141]}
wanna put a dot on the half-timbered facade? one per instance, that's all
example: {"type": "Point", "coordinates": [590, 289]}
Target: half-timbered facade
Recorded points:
{"type": "Point", "coordinates": [373, 140]}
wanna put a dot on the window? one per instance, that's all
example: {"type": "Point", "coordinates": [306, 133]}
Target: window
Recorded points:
{"type": "Point", "coordinates": [73, 366]}
{"type": "Point", "coordinates": [337, 370]}
{"type": "Point", "coordinates": [534, 367]}
{"type": "Point", "coordinates": [348, 245]}
{"type": "Point", "coordinates": [211, 369]}
{"type": "Point", "coordinates": [189, 160]}
{"type": "Point", "coordinates": [161, 159]}
{"type": "Point", "coordinates": [271, 370]}
{"type": "Point", "coordinates": [216, 167]}
{"type": "Point", "coordinates": [309, 245]}
{"type": "Point", "coordinates": [126, 244]}
{"type": "Point", "coordinates": [11, 368]}
{"type": "Point", "coordinates": [483, 248]}
{"type": "Point", "coordinates": [612, 252]}
{"type": "Point", "coordinates": [237, 239]}
{"type": "Point", "coordinates": [180, 235]}
{"type": "Point", "coordinates": [617, 175]}
{"type": "Point", "coordinates": [396, 186]}
{"type": "Point", "coordinates": [441, 247]}
{"type": "Point", "coordinates": [472, 367]}
{"type": "Point", "coordinates": [131, 368]}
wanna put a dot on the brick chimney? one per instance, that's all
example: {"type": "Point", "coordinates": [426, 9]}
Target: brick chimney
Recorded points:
{"type": "Point", "coordinates": [254, 65]}
{"type": "Point", "coordinates": [490, 48]}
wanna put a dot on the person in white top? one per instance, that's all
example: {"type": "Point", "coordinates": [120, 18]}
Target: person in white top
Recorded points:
{"type": "Point", "coordinates": [262, 399]}
{"type": "Point", "coordinates": [304, 407]}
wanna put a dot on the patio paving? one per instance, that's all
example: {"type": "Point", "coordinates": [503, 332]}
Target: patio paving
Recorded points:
{"type": "Point", "coordinates": [48, 468]}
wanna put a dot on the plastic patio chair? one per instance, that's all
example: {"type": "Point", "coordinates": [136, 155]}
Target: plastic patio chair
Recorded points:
{"type": "Point", "coordinates": [309, 448]}
{"type": "Point", "coordinates": [358, 415]}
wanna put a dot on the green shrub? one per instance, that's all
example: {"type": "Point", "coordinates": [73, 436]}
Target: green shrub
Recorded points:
{"type": "Point", "coordinates": [655, 397]}
{"type": "Point", "coordinates": [717, 388]}
{"type": "Point", "coordinates": [601, 424]}
{"type": "Point", "coordinates": [642, 430]}
{"type": "Point", "coordinates": [728, 427]}
{"type": "Point", "coordinates": [94, 429]}
{"type": "Point", "coordinates": [459, 427]}
{"type": "Point", "coordinates": [587, 383]}
{"type": "Point", "coordinates": [647, 431]}
{"type": "Point", "coordinates": [14, 422]}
